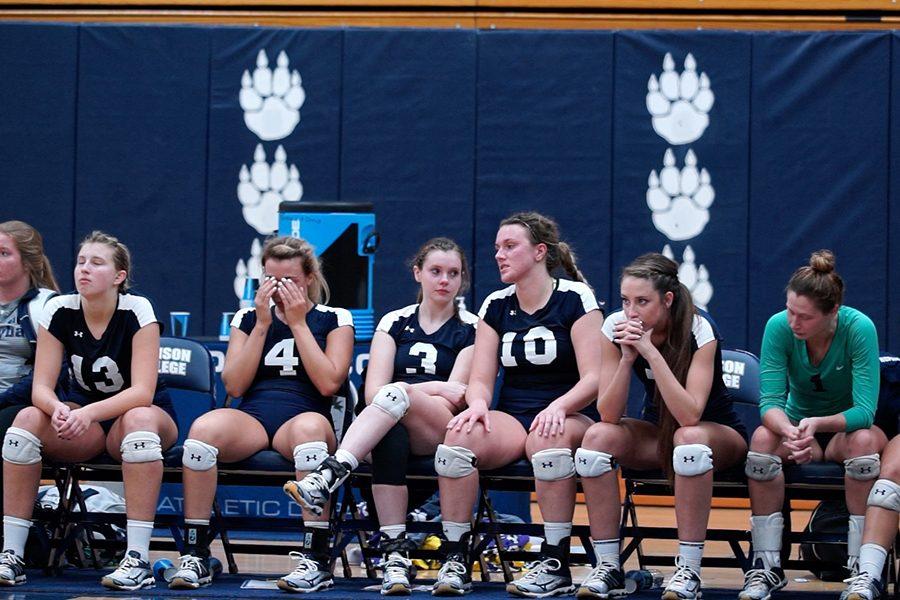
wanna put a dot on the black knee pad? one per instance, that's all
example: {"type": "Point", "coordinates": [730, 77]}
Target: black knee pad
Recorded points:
{"type": "Point", "coordinates": [390, 457]}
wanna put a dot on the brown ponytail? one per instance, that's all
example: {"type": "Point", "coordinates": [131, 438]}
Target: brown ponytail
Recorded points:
{"type": "Point", "coordinates": [31, 247]}
{"type": "Point", "coordinates": [662, 272]}
{"type": "Point", "coordinates": [544, 230]}
{"type": "Point", "coordinates": [819, 281]}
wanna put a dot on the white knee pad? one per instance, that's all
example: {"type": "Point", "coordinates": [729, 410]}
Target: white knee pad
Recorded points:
{"type": "Point", "coordinates": [199, 456]}
{"type": "Point", "coordinates": [762, 467]}
{"type": "Point", "coordinates": [140, 447]}
{"type": "Point", "coordinates": [690, 460]}
{"type": "Point", "coordinates": [863, 468]}
{"type": "Point", "coordinates": [454, 461]}
{"type": "Point", "coordinates": [393, 400]}
{"type": "Point", "coordinates": [553, 464]}
{"type": "Point", "coordinates": [886, 494]}
{"type": "Point", "coordinates": [21, 447]}
{"type": "Point", "coordinates": [592, 463]}
{"type": "Point", "coordinates": [309, 455]}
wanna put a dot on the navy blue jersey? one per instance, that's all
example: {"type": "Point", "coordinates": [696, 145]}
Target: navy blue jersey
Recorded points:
{"type": "Point", "coordinates": [100, 367]}
{"type": "Point", "coordinates": [426, 357]}
{"type": "Point", "coordinates": [536, 350]}
{"type": "Point", "coordinates": [719, 408]}
{"type": "Point", "coordinates": [280, 367]}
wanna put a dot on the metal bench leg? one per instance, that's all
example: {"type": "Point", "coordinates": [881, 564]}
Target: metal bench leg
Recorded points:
{"type": "Point", "coordinates": [223, 535]}
{"type": "Point", "coordinates": [486, 510]}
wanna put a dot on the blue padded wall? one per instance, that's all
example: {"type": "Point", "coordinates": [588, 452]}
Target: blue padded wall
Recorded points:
{"type": "Point", "coordinates": [892, 338]}
{"type": "Point", "coordinates": [141, 130]}
{"type": "Point", "coordinates": [544, 143]}
{"type": "Point", "coordinates": [407, 143]}
{"type": "Point", "coordinates": [39, 64]}
{"type": "Point", "coordinates": [819, 168]}
{"type": "Point", "coordinates": [141, 154]}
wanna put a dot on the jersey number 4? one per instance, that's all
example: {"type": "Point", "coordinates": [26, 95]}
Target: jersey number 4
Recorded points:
{"type": "Point", "coordinates": [531, 347]}
{"type": "Point", "coordinates": [112, 377]}
{"type": "Point", "coordinates": [282, 355]}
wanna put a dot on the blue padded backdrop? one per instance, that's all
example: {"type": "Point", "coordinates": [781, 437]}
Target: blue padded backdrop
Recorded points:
{"type": "Point", "coordinates": [138, 130]}
{"type": "Point", "coordinates": [408, 142]}
{"type": "Point", "coordinates": [544, 143]}
{"type": "Point", "coordinates": [722, 149]}
{"type": "Point", "coordinates": [141, 153]}
{"type": "Point", "coordinates": [39, 63]}
{"type": "Point", "coordinates": [818, 166]}
{"type": "Point", "coordinates": [892, 339]}
{"type": "Point", "coordinates": [312, 146]}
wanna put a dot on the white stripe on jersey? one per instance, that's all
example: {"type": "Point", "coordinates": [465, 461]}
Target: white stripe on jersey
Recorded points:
{"type": "Point", "coordinates": [343, 315]}
{"type": "Point", "coordinates": [588, 301]}
{"type": "Point", "coordinates": [239, 316]}
{"type": "Point", "coordinates": [140, 306]}
{"type": "Point", "coordinates": [37, 307]}
{"type": "Point", "coordinates": [498, 295]}
{"type": "Point", "coordinates": [395, 315]}
{"type": "Point", "coordinates": [701, 328]}
{"type": "Point", "coordinates": [72, 301]}
{"type": "Point", "coordinates": [467, 317]}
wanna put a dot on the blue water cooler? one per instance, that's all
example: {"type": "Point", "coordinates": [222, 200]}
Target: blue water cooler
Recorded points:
{"type": "Point", "coordinates": [344, 236]}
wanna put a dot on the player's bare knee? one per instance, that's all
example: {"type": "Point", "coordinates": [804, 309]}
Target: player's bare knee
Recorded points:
{"type": "Point", "coordinates": [690, 435]}
{"type": "Point", "coordinates": [765, 440]}
{"type": "Point", "coordinates": [862, 441]}
{"type": "Point", "coordinates": [140, 418]}
{"type": "Point", "coordinates": [607, 437]}
{"type": "Point", "coordinates": [31, 418]}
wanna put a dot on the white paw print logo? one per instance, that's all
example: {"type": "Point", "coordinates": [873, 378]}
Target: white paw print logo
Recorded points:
{"type": "Point", "coordinates": [252, 268]}
{"type": "Point", "coordinates": [271, 100]}
{"type": "Point", "coordinates": [679, 103]}
{"type": "Point", "coordinates": [262, 187]}
{"type": "Point", "coordinates": [680, 199]}
{"type": "Point", "coordinates": [695, 278]}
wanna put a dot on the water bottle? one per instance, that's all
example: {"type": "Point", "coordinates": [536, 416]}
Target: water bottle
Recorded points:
{"type": "Point", "coordinates": [642, 579]}
{"type": "Point", "coordinates": [164, 569]}
{"type": "Point", "coordinates": [249, 298]}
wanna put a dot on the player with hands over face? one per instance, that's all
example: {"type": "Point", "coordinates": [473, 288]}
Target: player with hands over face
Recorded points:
{"type": "Point", "coordinates": [287, 356]}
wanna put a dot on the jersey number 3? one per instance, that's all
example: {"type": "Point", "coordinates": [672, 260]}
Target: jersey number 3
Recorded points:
{"type": "Point", "coordinates": [429, 358]}
{"type": "Point", "coordinates": [531, 348]}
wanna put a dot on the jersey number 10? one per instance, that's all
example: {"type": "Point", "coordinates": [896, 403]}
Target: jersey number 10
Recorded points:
{"type": "Point", "coordinates": [531, 352]}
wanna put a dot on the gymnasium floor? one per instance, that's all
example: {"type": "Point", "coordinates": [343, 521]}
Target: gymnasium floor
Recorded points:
{"type": "Point", "coordinates": [258, 572]}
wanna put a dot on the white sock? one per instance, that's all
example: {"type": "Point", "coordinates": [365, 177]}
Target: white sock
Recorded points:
{"type": "Point", "coordinates": [855, 527]}
{"type": "Point", "coordinates": [766, 531]}
{"type": "Point", "coordinates": [871, 560]}
{"type": "Point", "coordinates": [15, 534]}
{"type": "Point", "coordinates": [393, 531]}
{"type": "Point", "coordinates": [691, 554]}
{"type": "Point", "coordinates": [554, 533]}
{"type": "Point", "coordinates": [139, 534]}
{"type": "Point", "coordinates": [455, 531]}
{"type": "Point", "coordinates": [345, 457]}
{"type": "Point", "coordinates": [607, 551]}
